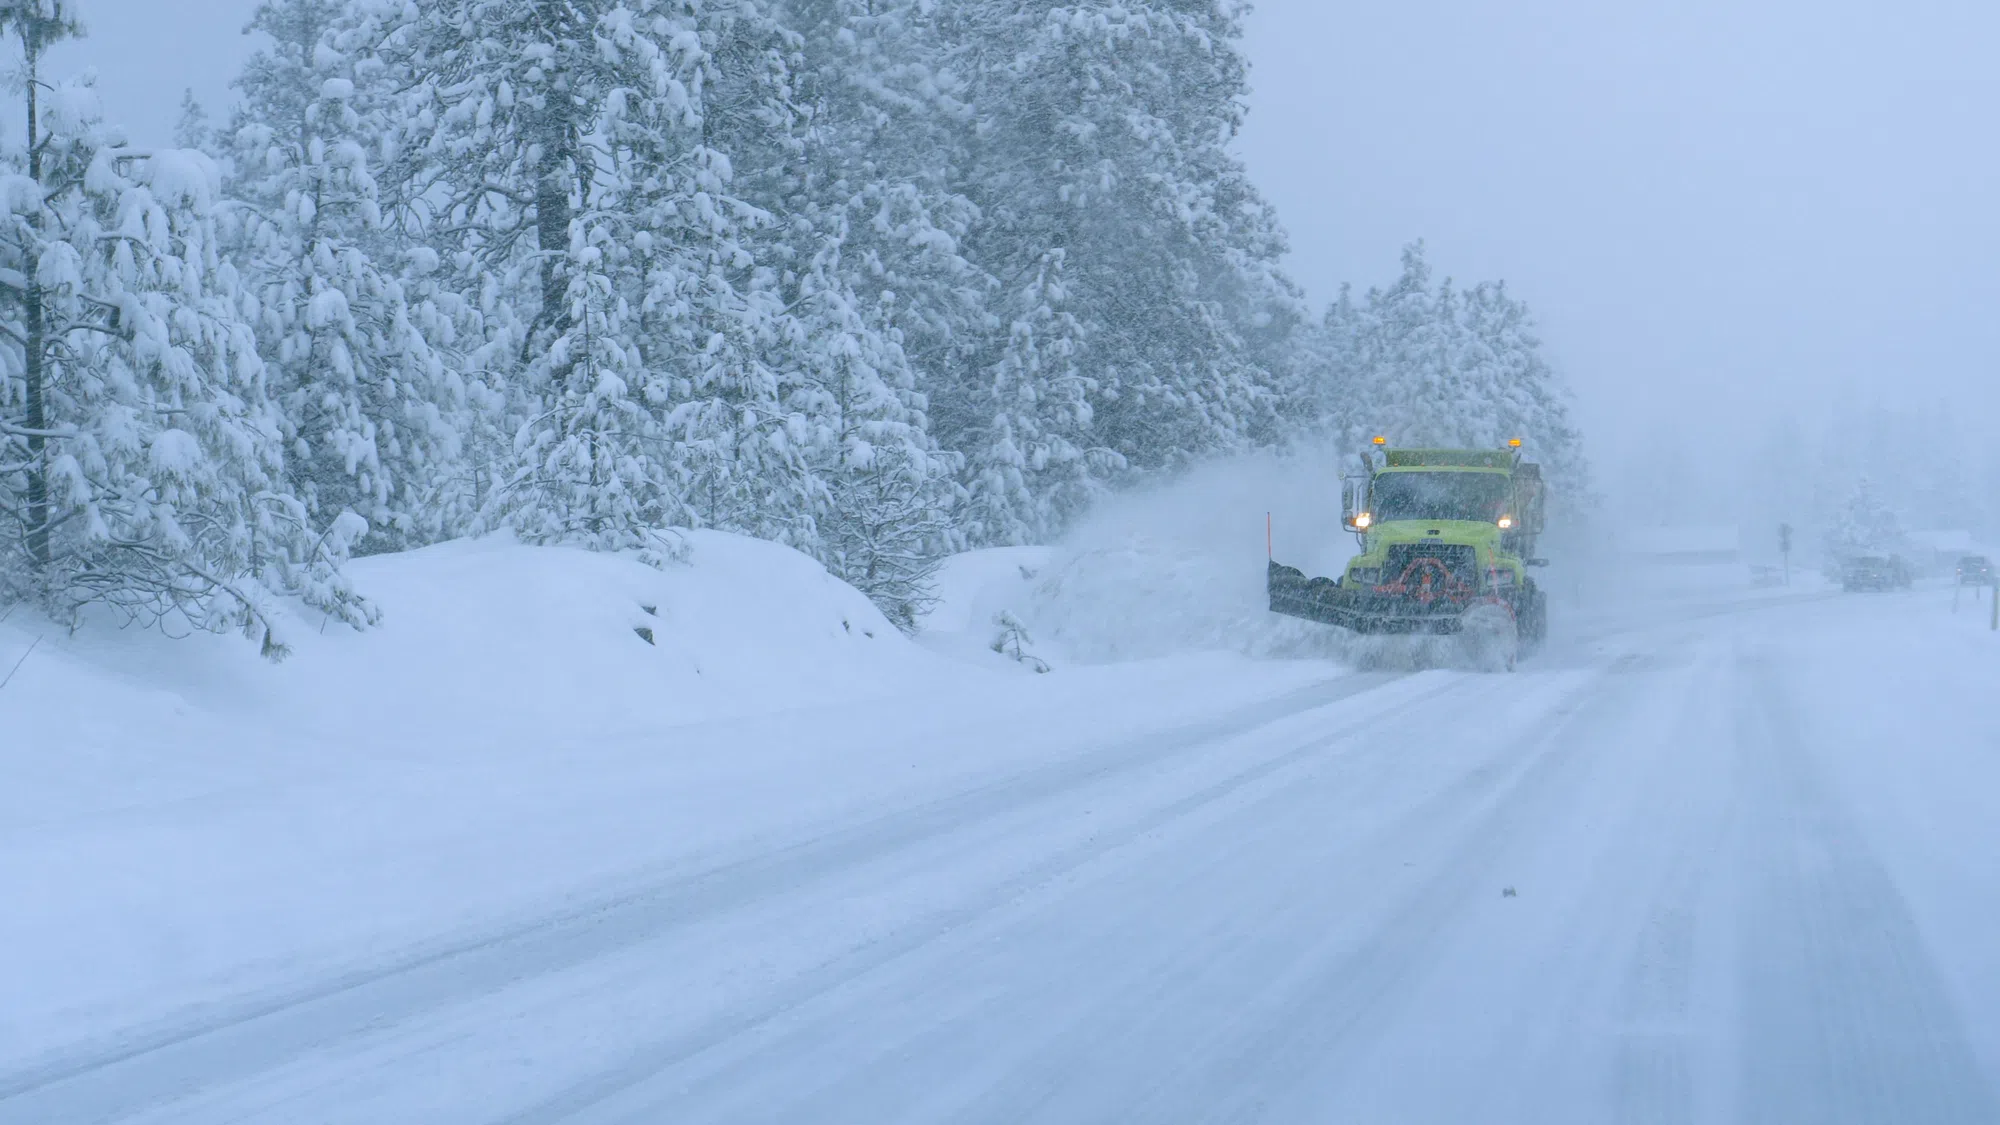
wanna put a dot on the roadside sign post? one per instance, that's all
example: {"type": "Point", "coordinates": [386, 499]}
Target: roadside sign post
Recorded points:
{"type": "Point", "coordinates": [1785, 549]}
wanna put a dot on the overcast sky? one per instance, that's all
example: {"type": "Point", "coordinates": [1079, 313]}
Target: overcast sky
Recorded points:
{"type": "Point", "coordinates": [1719, 208]}
{"type": "Point", "coordinates": [146, 52]}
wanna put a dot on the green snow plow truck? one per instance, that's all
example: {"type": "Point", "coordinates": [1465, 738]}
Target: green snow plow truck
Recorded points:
{"type": "Point", "coordinates": [1447, 537]}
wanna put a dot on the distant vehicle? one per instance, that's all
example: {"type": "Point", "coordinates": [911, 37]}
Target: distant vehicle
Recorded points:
{"type": "Point", "coordinates": [1875, 572]}
{"type": "Point", "coordinates": [1974, 570]}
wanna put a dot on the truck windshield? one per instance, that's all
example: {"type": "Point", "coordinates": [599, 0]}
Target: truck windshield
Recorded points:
{"type": "Point", "coordinates": [1440, 496]}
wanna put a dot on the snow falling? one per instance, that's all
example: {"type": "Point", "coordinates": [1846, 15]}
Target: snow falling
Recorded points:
{"type": "Point", "coordinates": [756, 561]}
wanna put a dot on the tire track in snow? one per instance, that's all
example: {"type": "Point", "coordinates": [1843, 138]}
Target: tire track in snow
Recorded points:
{"type": "Point", "coordinates": [1035, 967]}
{"type": "Point", "coordinates": [1348, 991]}
{"type": "Point", "coordinates": [621, 1093]}
{"type": "Point", "coordinates": [260, 1034]}
{"type": "Point", "coordinates": [1261, 1024]}
{"type": "Point", "coordinates": [1584, 995]}
{"type": "Point", "coordinates": [1578, 1002]}
{"type": "Point", "coordinates": [1662, 1068]}
{"type": "Point", "coordinates": [1845, 1020]}
{"type": "Point", "coordinates": [1653, 1076]}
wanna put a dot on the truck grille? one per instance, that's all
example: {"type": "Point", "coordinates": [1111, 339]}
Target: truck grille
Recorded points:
{"type": "Point", "coordinates": [1459, 561]}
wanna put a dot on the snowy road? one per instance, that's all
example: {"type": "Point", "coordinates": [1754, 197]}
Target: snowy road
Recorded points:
{"type": "Point", "coordinates": [1737, 869]}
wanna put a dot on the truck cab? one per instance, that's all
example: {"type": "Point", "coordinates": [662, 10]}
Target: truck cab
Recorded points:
{"type": "Point", "coordinates": [1480, 510]}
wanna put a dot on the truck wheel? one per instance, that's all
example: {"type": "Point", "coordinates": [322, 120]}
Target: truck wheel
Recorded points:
{"type": "Point", "coordinates": [1531, 616]}
{"type": "Point", "coordinates": [1492, 638]}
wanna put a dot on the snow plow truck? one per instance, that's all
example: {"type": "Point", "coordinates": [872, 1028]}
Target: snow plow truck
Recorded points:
{"type": "Point", "coordinates": [1447, 538]}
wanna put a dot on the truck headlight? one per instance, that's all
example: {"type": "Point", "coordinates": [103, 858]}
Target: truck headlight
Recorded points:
{"type": "Point", "coordinates": [1506, 523]}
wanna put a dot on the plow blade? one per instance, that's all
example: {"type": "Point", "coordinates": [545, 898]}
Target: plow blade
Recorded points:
{"type": "Point", "coordinates": [1328, 602]}
{"type": "Point", "coordinates": [1398, 631]}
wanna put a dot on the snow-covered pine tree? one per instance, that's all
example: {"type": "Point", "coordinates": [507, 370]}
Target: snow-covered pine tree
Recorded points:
{"type": "Point", "coordinates": [1162, 231]}
{"type": "Point", "coordinates": [1523, 393]}
{"type": "Point", "coordinates": [750, 409]}
{"type": "Point", "coordinates": [488, 168]}
{"type": "Point", "coordinates": [1321, 381]}
{"type": "Point", "coordinates": [374, 411]}
{"type": "Point", "coordinates": [1131, 253]}
{"type": "Point", "coordinates": [1017, 404]}
{"type": "Point", "coordinates": [1436, 366]}
{"type": "Point", "coordinates": [1264, 314]}
{"type": "Point", "coordinates": [889, 122]}
{"type": "Point", "coordinates": [869, 237]}
{"type": "Point", "coordinates": [891, 494]}
{"type": "Point", "coordinates": [1943, 495]}
{"type": "Point", "coordinates": [1032, 457]}
{"type": "Point", "coordinates": [1414, 390]}
{"type": "Point", "coordinates": [572, 159]}
{"type": "Point", "coordinates": [140, 456]}
{"type": "Point", "coordinates": [1938, 492]}
{"type": "Point", "coordinates": [192, 130]}
{"type": "Point", "coordinates": [1863, 525]}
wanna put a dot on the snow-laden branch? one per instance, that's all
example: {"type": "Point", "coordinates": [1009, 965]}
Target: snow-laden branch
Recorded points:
{"type": "Point", "coordinates": [12, 430]}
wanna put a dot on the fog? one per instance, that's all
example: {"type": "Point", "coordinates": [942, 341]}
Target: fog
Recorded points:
{"type": "Point", "coordinates": [1725, 213]}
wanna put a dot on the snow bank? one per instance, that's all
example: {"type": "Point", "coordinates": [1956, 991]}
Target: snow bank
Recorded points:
{"type": "Point", "coordinates": [181, 817]}
{"type": "Point", "coordinates": [556, 638]}
{"type": "Point", "coordinates": [494, 637]}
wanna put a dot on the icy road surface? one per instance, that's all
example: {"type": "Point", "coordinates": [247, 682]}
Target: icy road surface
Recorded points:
{"type": "Point", "coordinates": [1743, 868]}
